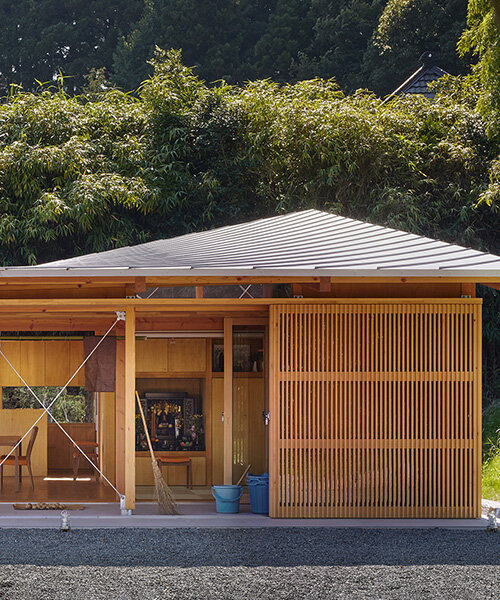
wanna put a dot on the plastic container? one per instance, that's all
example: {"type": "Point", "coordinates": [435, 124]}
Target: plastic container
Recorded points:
{"type": "Point", "coordinates": [227, 498]}
{"type": "Point", "coordinates": [258, 488]}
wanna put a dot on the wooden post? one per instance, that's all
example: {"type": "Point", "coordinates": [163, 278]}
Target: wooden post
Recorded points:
{"type": "Point", "coordinates": [120, 416]}
{"type": "Point", "coordinates": [228, 401]}
{"type": "Point", "coordinates": [130, 408]}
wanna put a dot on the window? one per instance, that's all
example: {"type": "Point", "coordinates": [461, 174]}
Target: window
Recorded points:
{"type": "Point", "coordinates": [75, 405]}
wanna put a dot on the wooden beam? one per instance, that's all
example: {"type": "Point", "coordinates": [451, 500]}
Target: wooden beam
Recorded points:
{"type": "Point", "coordinates": [177, 281]}
{"type": "Point", "coordinates": [199, 291]}
{"type": "Point", "coordinates": [228, 401]}
{"type": "Point", "coordinates": [140, 285]}
{"type": "Point", "coordinates": [130, 408]}
{"type": "Point", "coordinates": [468, 289]}
{"type": "Point", "coordinates": [325, 284]}
{"type": "Point", "coordinates": [186, 306]}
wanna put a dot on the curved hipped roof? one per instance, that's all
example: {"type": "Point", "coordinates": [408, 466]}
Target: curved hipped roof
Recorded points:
{"type": "Point", "coordinates": [307, 243]}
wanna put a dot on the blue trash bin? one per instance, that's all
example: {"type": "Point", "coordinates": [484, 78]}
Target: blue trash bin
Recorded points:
{"type": "Point", "coordinates": [227, 498]}
{"type": "Point", "coordinates": [258, 488]}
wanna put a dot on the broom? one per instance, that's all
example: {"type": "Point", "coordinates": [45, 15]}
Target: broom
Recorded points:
{"type": "Point", "coordinates": [163, 495]}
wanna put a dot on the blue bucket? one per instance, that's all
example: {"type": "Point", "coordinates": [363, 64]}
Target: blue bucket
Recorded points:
{"type": "Point", "coordinates": [258, 488]}
{"type": "Point", "coordinates": [227, 498]}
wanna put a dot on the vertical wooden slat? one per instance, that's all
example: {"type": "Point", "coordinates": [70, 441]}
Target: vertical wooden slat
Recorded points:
{"type": "Point", "coordinates": [372, 401]}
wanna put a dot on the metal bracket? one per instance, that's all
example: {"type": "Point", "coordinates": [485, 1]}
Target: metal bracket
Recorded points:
{"type": "Point", "coordinates": [492, 520]}
{"type": "Point", "coordinates": [126, 512]}
{"type": "Point", "coordinates": [120, 315]}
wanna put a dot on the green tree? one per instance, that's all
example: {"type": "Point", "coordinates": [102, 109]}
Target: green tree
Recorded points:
{"type": "Point", "coordinates": [40, 40]}
{"type": "Point", "coordinates": [407, 29]}
{"type": "Point", "coordinates": [210, 33]}
{"type": "Point", "coordinates": [342, 32]}
{"type": "Point", "coordinates": [482, 38]}
{"type": "Point", "coordinates": [74, 405]}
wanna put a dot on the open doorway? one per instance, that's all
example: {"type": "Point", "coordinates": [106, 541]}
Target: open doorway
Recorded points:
{"type": "Point", "coordinates": [59, 471]}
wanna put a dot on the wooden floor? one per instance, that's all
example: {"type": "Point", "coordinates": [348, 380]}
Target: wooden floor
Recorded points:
{"type": "Point", "coordinates": [57, 489]}
{"type": "Point", "coordinates": [62, 488]}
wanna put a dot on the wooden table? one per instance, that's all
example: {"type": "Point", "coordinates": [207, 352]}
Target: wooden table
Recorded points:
{"type": "Point", "coordinates": [183, 461]}
{"type": "Point", "coordinates": [10, 441]}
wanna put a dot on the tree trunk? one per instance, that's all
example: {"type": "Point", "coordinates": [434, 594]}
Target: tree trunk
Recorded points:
{"type": "Point", "coordinates": [496, 8]}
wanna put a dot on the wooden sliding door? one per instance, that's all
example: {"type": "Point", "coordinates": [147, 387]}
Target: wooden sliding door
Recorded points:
{"type": "Point", "coordinates": [376, 409]}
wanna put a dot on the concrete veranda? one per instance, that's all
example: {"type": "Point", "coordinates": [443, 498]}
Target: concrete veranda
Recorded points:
{"type": "Point", "coordinates": [203, 515]}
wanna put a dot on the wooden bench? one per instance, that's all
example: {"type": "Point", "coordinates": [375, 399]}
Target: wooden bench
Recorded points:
{"type": "Point", "coordinates": [183, 461]}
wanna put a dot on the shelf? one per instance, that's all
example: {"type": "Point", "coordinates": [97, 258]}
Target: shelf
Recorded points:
{"type": "Point", "coordinates": [170, 375]}
{"type": "Point", "coordinates": [241, 374]}
{"type": "Point", "coordinates": [172, 453]}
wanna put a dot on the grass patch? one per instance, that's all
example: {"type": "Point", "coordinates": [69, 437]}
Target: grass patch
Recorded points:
{"type": "Point", "coordinates": [491, 451]}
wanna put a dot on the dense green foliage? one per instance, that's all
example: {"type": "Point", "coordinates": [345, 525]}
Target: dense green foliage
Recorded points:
{"type": "Point", "coordinates": [75, 405]}
{"type": "Point", "coordinates": [82, 174]}
{"type": "Point", "coordinates": [408, 26]}
{"type": "Point", "coordinates": [491, 452]}
{"type": "Point", "coordinates": [44, 38]}
{"type": "Point", "coordinates": [235, 40]}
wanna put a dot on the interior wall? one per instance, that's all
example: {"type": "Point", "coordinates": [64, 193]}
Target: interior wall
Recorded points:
{"type": "Point", "coordinates": [17, 422]}
{"type": "Point", "coordinates": [41, 363]}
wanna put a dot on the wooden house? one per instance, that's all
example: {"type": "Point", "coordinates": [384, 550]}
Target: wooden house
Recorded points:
{"type": "Point", "coordinates": [343, 357]}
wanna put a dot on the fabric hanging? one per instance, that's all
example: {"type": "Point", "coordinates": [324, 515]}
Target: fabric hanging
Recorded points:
{"type": "Point", "coordinates": [101, 367]}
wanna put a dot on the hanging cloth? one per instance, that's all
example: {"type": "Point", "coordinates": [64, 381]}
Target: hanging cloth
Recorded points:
{"type": "Point", "coordinates": [101, 366]}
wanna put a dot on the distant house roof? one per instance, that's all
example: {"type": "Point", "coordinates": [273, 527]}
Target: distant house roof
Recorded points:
{"type": "Point", "coordinates": [418, 83]}
{"type": "Point", "coordinates": [304, 243]}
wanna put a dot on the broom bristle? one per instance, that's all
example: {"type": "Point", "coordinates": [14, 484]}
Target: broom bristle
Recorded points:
{"type": "Point", "coordinates": [166, 502]}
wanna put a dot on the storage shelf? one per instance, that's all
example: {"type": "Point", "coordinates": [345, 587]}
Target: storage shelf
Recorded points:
{"type": "Point", "coordinates": [172, 453]}
{"type": "Point", "coordinates": [241, 374]}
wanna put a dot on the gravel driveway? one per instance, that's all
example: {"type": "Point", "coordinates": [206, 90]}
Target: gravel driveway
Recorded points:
{"type": "Point", "coordinates": [253, 563]}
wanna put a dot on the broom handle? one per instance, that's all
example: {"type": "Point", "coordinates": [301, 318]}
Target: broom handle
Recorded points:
{"type": "Point", "coordinates": [145, 426]}
{"type": "Point", "coordinates": [244, 473]}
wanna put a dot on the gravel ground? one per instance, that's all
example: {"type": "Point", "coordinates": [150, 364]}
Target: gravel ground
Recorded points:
{"type": "Point", "coordinates": [266, 563]}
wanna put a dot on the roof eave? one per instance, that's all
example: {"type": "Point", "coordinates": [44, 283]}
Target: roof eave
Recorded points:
{"type": "Point", "coordinates": [107, 272]}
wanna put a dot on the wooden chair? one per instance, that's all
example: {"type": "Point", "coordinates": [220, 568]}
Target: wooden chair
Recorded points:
{"type": "Point", "coordinates": [23, 461]}
{"type": "Point", "coordinates": [91, 450]}
{"type": "Point", "coordinates": [183, 461]}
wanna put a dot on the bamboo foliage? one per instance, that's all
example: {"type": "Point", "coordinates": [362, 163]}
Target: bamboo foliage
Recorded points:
{"type": "Point", "coordinates": [376, 409]}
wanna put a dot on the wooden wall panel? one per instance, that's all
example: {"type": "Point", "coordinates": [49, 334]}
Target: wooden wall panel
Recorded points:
{"type": "Point", "coordinates": [12, 351]}
{"type": "Point", "coordinates": [217, 431]}
{"type": "Point", "coordinates": [33, 362]}
{"type": "Point", "coordinates": [60, 449]}
{"type": "Point", "coordinates": [249, 431]}
{"type": "Point", "coordinates": [174, 475]}
{"type": "Point", "coordinates": [186, 355]}
{"type": "Point", "coordinates": [151, 356]}
{"type": "Point", "coordinates": [107, 434]}
{"type": "Point", "coordinates": [376, 409]}
{"type": "Point", "coordinates": [75, 360]}
{"type": "Point", "coordinates": [42, 362]}
{"type": "Point", "coordinates": [17, 422]}
{"type": "Point", "coordinates": [57, 361]}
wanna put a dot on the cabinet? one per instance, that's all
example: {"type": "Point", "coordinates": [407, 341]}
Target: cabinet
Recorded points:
{"type": "Point", "coordinates": [173, 355]}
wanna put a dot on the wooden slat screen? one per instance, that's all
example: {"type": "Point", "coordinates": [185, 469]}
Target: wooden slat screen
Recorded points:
{"type": "Point", "coordinates": [376, 409]}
